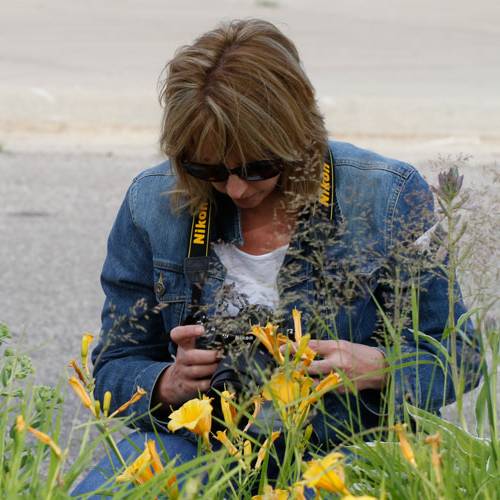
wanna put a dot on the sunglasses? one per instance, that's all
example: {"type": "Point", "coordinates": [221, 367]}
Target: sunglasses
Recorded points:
{"type": "Point", "coordinates": [253, 171]}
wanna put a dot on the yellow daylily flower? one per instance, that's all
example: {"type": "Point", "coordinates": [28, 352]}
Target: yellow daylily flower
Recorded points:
{"type": "Point", "coordinates": [405, 446]}
{"type": "Point", "coordinates": [270, 494]}
{"type": "Point", "coordinates": [139, 471]}
{"type": "Point", "coordinates": [330, 382]}
{"type": "Point", "coordinates": [82, 393]}
{"type": "Point", "coordinates": [298, 492]}
{"type": "Point", "coordinates": [171, 485]}
{"type": "Point", "coordinates": [327, 474]}
{"type": "Point", "coordinates": [84, 351]}
{"type": "Point", "coordinates": [271, 339]}
{"type": "Point", "coordinates": [194, 415]}
{"type": "Point", "coordinates": [257, 401]}
{"type": "Point", "coordinates": [304, 354]}
{"type": "Point", "coordinates": [138, 394]}
{"type": "Point", "coordinates": [435, 442]}
{"type": "Point", "coordinates": [229, 411]}
{"type": "Point", "coordinates": [264, 449]}
{"type": "Point", "coordinates": [222, 438]}
{"type": "Point", "coordinates": [289, 391]}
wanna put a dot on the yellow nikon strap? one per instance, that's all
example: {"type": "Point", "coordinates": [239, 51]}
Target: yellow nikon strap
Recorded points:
{"type": "Point", "coordinates": [327, 187]}
{"type": "Point", "coordinates": [199, 240]}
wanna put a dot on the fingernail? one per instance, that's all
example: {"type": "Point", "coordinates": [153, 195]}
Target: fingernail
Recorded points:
{"type": "Point", "coordinates": [199, 329]}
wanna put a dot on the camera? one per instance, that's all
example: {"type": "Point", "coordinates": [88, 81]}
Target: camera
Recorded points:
{"type": "Point", "coordinates": [245, 361]}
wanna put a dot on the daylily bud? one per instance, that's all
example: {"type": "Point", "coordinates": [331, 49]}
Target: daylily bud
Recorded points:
{"type": "Point", "coordinates": [80, 391]}
{"type": "Point", "coordinates": [265, 448]}
{"type": "Point", "coordinates": [405, 446]}
{"type": "Point", "coordinates": [86, 340]}
{"type": "Point", "coordinates": [20, 424]}
{"type": "Point", "coordinates": [97, 408]}
{"type": "Point", "coordinates": [46, 439]}
{"type": "Point", "coordinates": [135, 397]}
{"type": "Point", "coordinates": [106, 404]}
{"type": "Point", "coordinates": [296, 315]}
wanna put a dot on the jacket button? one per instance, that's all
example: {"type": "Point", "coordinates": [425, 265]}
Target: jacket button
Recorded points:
{"type": "Point", "coordinates": [159, 286]}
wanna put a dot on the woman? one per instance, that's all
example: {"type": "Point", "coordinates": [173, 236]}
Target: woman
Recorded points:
{"type": "Point", "coordinates": [287, 219]}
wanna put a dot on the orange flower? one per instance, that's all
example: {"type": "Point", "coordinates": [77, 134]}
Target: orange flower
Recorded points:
{"type": "Point", "coordinates": [265, 448]}
{"type": "Point", "coordinates": [271, 339]}
{"type": "Point", "coordinates": [139, 393]}
{"type": "Point", "coordinates": [41, 436]}
{"type": "Point", "coordinates": [222, 438]}
{"type": "Point", "coordinates": [435, 442]}
{"type": "Point", "coordinates": [297, 327]}
{"type": "Point", "coordinates": [77, 370]}
{"type": "Point", "coordinates": [270, 494]}
{"type": "Point", "coordinates": [139, 471]}
{"type": "Point", "coordinates": [405, 446]}
{"type": "Point", "coordinates": [229, 411]}
{"type": "Point", "coordinates": [327, 474]}
{"type": "Point", "coordinates": [82, 393]}
{"type": "Point", "coordinates": [194, 415]}
{"type": "Point", "coordinates": [86, 341]}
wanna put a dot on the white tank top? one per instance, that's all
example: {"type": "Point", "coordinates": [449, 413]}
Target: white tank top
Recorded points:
{"type": "Point", "coordinates": [253, 276]}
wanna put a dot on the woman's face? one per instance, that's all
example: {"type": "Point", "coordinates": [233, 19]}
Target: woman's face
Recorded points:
{"type": "Point", "coordinates": [245, 194]}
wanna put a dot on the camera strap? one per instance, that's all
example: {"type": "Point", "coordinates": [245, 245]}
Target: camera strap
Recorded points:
{"type": "Point", "coordinates": [196, 262]}
{"type": "Point", "coordinates": [327, 187]}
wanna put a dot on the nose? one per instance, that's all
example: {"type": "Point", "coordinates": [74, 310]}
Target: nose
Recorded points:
{"type": "Point", "coordinates": [235, 187]}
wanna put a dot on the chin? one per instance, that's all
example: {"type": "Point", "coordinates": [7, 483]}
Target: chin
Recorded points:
{"type": "Point", "coordinates": [249, 203]}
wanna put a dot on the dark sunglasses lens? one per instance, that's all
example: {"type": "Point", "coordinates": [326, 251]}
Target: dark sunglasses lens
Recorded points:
{"type": "Point", "coordinates": [261, 170]}
{"type": "Point", "coordinates": [253, 171]}
{"type": "Point", "coordinates": [211, 173]}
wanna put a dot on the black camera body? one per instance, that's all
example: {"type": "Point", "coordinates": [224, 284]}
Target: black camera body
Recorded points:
{"type": "Point", "coordinates": [246, 361]}
{"type": "Point", "coordinates": [221, 337]}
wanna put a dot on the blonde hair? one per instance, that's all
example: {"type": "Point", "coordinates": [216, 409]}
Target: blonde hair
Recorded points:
{"type": "Point", "coordinates": [241, 87]}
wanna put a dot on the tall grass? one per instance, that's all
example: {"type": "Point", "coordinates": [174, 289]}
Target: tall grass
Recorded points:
{"type": "Point", "coordinates": [428, 457]}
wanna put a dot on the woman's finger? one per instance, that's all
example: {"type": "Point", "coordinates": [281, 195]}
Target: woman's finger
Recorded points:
{"type": "Point", "coordinates": [185, 336]}
{"type": "Point", "coordinates": [324, 347]}
{"type": "Point", "coordinates": [197, 356]}
{"type": "Point", "coordinates": [201, 371]}
{"type": "Point", "coordinates": [321, 366]}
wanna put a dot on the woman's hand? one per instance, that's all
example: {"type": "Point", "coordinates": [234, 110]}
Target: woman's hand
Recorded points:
{"type": "Point", "coordinates": [364, 365]}
{"type": "Point", "coordinates": [191, 372]}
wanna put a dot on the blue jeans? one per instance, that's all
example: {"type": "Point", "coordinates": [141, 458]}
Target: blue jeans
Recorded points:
{"type": "Point", "coordinates": [131, 447]}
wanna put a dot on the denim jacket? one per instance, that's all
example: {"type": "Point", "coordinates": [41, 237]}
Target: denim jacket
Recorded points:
{"type": "Point", "coordinates": [335, 272]}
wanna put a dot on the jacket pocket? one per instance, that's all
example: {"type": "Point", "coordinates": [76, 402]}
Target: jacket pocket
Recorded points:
{"type": "Point", "coordinates": [171, 291]}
